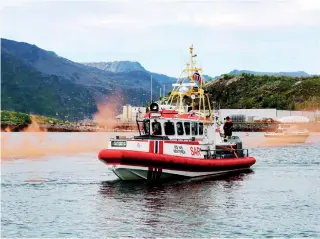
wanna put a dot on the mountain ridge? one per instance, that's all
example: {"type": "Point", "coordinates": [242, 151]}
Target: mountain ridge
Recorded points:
{"type": "Point", "coordinates": [121, 67]}
{"type": "Point", "coordinates": [38, 81]}
{"type": "Point", "coordinates": [33, 78]}
{"type": "Point", "coordinates": [117, 66]}
{"type": "Point", "coordinates": [281, 73]}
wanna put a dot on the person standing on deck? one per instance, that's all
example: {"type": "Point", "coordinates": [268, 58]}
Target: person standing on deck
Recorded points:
{"type": "Point", "coordinates": [227, 128]}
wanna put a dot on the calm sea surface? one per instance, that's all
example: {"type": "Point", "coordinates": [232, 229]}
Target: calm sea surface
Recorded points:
{"type": "Point", "coordinates": [52, 185]}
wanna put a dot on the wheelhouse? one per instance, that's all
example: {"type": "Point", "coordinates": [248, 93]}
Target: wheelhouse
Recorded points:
{"type": "Point", "coordinates": [171, 128]}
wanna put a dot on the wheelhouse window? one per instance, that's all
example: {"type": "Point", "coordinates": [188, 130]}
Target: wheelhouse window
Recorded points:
{"type": "Point", "coordinates": [187, 128]}
{"type": "Point", "coordinates": [146, 126]}
{"type": "Point", "coordinates": [156, 128]}
{"type": "Point", "coordinates": [179, 128]}
{"type": "Point", "coordinates": [200, 128]}
{"type": "Point", "coordinates": [194, 128]}
{"type": "Point", "coordinates": [169, 128]}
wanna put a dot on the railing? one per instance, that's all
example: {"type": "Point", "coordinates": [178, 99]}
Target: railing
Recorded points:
{"type": "Point", "coordinates": [180, 139]}
{"type": "Point", "coordinates": [225, 153]}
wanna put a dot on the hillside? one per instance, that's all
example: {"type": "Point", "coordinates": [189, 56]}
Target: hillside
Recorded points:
{"type": "Point", "coordinates": [37, 81]}
{"type": "Point", "coordinates": [41, 82]}
{"type": "Point", "coordinates": [17, 118]}
{"type": "Point", "coordinates": [24, 89]}
{"type": "Point", "coordinates": [281, 92]}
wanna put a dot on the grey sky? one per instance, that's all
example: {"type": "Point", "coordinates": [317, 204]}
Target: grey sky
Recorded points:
{"type": "Point", "coordinates": [261, 35]}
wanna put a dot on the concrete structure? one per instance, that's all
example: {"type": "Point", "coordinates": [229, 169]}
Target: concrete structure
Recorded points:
{"type": "Point", "coordinates": [126, 112]}
{"type": "Point", "coordinates": [251, 115]}
{"type": "Point", "coordinates": [130, 112]}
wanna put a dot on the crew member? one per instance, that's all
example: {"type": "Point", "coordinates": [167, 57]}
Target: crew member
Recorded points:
{"type": "Point", "coordinates": [227, 128]}
{"type": "Point", "coordinates": [156, 129]}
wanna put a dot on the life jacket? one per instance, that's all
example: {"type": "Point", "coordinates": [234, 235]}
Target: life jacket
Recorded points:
{"type": "Point", "coordinates": [228, 125]}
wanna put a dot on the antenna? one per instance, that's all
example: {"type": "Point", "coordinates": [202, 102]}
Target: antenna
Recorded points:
{"type": "Point", "coordinates": [191, 59]}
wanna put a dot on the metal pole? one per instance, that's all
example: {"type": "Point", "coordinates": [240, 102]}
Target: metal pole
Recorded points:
{"type": "Point", "coordinates": [160, 92]}
{"type": "Point", "coordinates": [215, 127]}
{"type": "Point", "coordinates": [164, 90]}
{"type": "Point", "coordinates": [151, 88]}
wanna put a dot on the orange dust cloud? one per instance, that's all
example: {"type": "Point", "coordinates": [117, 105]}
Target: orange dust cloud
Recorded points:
{"type": "Point", "coordinates": [7, 129]}
{"type": "Point", "coordinates": [105, 116]}
{"type": "Point", "coordinates": [38, 144]}
{"type": "Point", "coordinates": [34, 126]}
{"type": "Point", "coordinates": [35, 142]}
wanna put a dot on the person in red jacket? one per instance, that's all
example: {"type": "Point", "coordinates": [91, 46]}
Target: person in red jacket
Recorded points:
{"type": "Point", "coordinates": [227, 128]}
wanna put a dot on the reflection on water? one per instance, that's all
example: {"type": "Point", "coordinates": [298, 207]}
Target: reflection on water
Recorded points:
{"type": "Point", "coordinates": [118, 187]}
{"type": "Point", "coordinates": [160, 205]}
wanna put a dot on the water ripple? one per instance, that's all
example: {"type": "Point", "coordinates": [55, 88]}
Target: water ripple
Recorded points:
{"type": "Point", "coordinates": [76, 196]}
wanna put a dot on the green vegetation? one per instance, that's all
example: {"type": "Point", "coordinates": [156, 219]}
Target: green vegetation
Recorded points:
{"type": "Point", "coordinates": [40, 82]}
{"type": "Point", "coordinates": [17, 118]}
{"type": "Point", "coordinates": [23, 89]}
{"type": "Point", "coordinates": [14, 118]}
{"type": "Point", "coordinates": [251, 91]}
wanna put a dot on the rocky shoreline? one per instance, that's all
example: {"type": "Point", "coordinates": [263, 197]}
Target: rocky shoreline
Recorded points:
{"type": "Point", "coordinates": [64, 128]}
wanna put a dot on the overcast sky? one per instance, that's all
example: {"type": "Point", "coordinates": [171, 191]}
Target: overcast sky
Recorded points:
{"type": "Point", "coordinates": [260, 35]}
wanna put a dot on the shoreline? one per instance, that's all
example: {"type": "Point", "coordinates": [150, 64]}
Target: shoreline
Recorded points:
{"type": "Point", "coordinates": [238, 127]}
{"type": "Point", "coordinates": [62, 128]}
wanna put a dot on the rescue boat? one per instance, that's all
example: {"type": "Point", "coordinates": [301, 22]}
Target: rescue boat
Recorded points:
{"type": "Point", "coordinates": [178, 138]}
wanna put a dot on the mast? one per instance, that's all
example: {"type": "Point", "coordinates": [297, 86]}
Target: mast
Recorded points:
{"type": "Point", "coordinates": [151, 90]}
{"type": "Point", "coordinates": [215, 128]}
{"type": "Point", "coordinates": [190, 85]}
{"type": "Point", "coordinates": [192, 67]}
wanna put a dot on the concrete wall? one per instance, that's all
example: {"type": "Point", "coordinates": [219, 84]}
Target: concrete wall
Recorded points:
{"type": "Point", "coordinates": [124, 112]}
{"type": "Point", "coordinates": [260, 113]}
{"type": "Point", "coordinates": [129, 111]}
{"type": "Point", "coordinates": [265, 113]}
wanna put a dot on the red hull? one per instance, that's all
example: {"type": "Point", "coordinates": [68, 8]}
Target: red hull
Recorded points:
{"type": "Point", "coordinates": [163, 161]}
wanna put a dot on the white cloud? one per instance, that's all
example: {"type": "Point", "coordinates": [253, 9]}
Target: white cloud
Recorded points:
{"type": "Point", "coordinates": [303, 5]}
{"type": "Point", "coordinates": [141, 15]}
{"type": "Point", "coordinates": [213, 14]}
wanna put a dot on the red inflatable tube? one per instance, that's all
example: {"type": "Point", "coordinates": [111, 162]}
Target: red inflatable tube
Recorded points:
{"type": "Point", "coordinates": [145, 159]}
